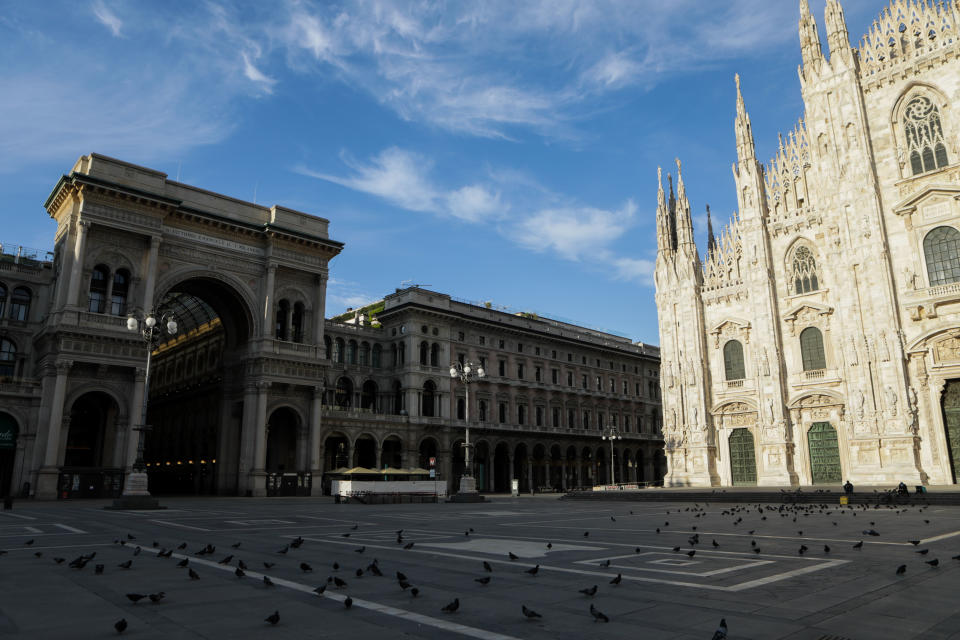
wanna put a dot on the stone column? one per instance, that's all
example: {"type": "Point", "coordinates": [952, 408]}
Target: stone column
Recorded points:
{"type": "Point", "coordinates": [512, 478]}
{"type": "Point", "coordinates": [316, 428]}
{"type": "Point", "coordinates": [247, 430]}
{"type": "Point", "coordinates": [76, 272]}
{"type": "Point", "coordinates": [319, 308]}
{"type": "Point", "coordinates": [268, 302]}
{"type": "Point", "coordinates": [563, 474]}
{"type": "Point", "coordinates": [259, 475]}
{"type": "Point", "coordinates": [530, 473]}
{"type": "Point", "coordinates": [151, 276]}
{"type": "Point", "coordinates": [136, 410]}
{"type": "Point", "coordinates": [49, 475]}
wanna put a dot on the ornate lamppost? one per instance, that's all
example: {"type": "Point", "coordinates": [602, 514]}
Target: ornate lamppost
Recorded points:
{"type": "Point", "coordinates": [612, 434]}
{"type": "Point", "coordinates": [135, 493]}
{"type": "Point", "coordinates": [467, 373]}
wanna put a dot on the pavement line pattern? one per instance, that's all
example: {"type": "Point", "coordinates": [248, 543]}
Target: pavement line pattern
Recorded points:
{"type": "Point", "coordinates": [942, 536]}
{"type": "Point", "coordinates": [17, 515]}
{"type": "Point", "coordinates": [418, 618]}
{"type": "Point", "coordinates": [182, 526]}
{"type": "Point", "coordinates": [712, 587]}
{"type": "Point", "coordinates": [69, 528]}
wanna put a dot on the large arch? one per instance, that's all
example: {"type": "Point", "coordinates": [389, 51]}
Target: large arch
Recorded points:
{"type": "Point", "coordinates": [501, 468]}
{"type": "Point", "coordinates": [9, 431]}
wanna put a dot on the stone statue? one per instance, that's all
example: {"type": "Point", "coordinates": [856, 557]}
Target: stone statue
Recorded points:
{"type": "Point", "coordinates": [769, 410]}
{"type": "Point", "coordinates": [852, 351]}
{"type": "Point", "coordinates": [883, 348]}
{"type": "Point", "coordinates": [857, 397]}
{"type": "Point", "coordinates": [696, 414]}
{"type": "Point", "coordinates": [909, 278]}
{"type": "Point", "coordinates": [765, 363]}
{"type": "Point", "coordinates": [891, 397]}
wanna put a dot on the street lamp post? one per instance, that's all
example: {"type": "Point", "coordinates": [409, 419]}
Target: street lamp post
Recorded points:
{"type": "Point", "coordinates": [612, 434]}
{"type": "Point", "coordinates": [135, 492]}
{"type": "Point", "coordinates": [467, 373]}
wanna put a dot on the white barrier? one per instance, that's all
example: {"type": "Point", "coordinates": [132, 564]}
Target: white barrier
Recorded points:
{"type": "Point", "coordinates": [427, 487]}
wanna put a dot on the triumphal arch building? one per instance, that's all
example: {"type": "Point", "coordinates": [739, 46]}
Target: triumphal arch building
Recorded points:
{"type": "Point", "coordinates": [130, 241]}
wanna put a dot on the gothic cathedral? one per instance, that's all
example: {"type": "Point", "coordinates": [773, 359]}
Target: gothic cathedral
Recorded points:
{"type": "Point", "coordinates": [819, 340]}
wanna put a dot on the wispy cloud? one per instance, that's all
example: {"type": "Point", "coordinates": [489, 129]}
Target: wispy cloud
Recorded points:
{"type": "Point", "coordinates": [255, 75]}
{"type": "Point", "coordinates": [575, 233]}
{"type": "Point", "coordinates": [107, 17]}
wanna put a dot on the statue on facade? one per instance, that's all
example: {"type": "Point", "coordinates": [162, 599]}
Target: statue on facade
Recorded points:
{"type": "Point", "coordinates": [765, 363]}
{"type": "Point", "coordinates": [769, 408]}
{"type": "Point", "coordinates": [891, 397]}
{"type": "Point", "coordinates": [884, 348]}
{"type": "Point", "coordinates": [857, 397]}
{"type": "Point", "coordinates": [852, 351]}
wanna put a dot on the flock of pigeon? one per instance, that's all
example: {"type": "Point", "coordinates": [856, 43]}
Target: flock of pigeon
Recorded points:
{"type": "Point", "coordinates": [737, 516]}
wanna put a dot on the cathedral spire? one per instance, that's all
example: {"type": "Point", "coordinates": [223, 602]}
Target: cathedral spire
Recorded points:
{"type": "Point", "coordinates": [664, 237]}
{"type": "Point", "coordinates": [672, 215]}
{"type": "Point", "coordinates": [711, 239]}
{"type": "Point", "coordinates": [684, 222]}
{"type": "Point", "coordinates": [838, 39]}
{"type": "Point", "coordinates": [746, 152]}
{"type": "Point", "coordinates": [809, 40]}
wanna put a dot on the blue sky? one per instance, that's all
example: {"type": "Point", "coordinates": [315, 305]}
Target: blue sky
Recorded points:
{"type": "Point", "coordinates": [495, 151]}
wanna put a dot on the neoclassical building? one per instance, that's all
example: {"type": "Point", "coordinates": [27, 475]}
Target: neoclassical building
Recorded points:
{"type": "Point", "coordinates": [819, 339]}
{"type": "Point", "coordinates": [257, 393]}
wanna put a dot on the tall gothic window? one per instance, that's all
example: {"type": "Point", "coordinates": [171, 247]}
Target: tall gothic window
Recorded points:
{"type": "Point", "coordinates": [941, 248]}
{"type": "Point", "coordinates": [118, 295]}
{"type": "Point", "coordinates": [811, 349]}
{"type": "Point", "coordinates": [8, 358]}
{"type": "Point", "coordinates": [805, 273]}
{"type": "Point", "coordinates": [924, 135]}
{"type": "Point", "coordinates": [733, 360]}
{"type": "Point", "coordinates": [98, 289]}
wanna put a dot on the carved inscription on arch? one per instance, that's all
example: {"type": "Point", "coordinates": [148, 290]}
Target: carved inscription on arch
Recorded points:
{"type": "Point", "coordinates": [948, 350]}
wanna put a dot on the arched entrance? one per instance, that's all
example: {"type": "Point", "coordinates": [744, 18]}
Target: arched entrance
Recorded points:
{"type": "Point", "coordinates": [428, 449]}
{"type": "Point", "coordinates": [365, 452]}
{"type": "Point", "coordinates": [391, 453]}
{"type": "Point", "coordinates": [89, 459]}
{"type": "Point", "coordinates": [824, 454]}
{"type": "Point", "coordinates": [481, 465]}
{"type": "Point", "coordinates": [282, 441]}
{"type": "Point", "coordinates": [197, 381]}
{"type": "Point", "coordinates": [8, 451]}
{"type": "Point", "coordinates": [951, 422]}
{"type": "Point", "coordinates": [501, 468]}
{"type": "Point", "coordinates": [743, 461]}
{"type": "Point", "coordinates": [520, 464]}
{"type": "Point", "coordinates": [556, 480]}
{"type": "Point", "coordinates": [602, 466]}
{"type": "Point", "coordinates": [539, 468]}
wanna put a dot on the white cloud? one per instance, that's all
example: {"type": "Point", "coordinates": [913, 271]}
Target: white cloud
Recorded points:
{"type": "Point", "coordinates": [255, 75]}
{"type": "Point", "coordinates": [635, 269]}
{"type": "Point", "coordinates": [614, 71]}
{"type": "Point", "coordinates": [401, 178]}
{"type": "Point", "coordinates": [107, 18]}
{"type": "Point", "coordinates": [575, 233]}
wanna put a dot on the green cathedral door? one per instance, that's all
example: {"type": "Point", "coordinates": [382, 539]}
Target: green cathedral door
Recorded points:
{"type": "Point", "coordinates": [824, 454]}
{"type": "Point", "coordinates": [743, 461]}
{"type": "Point", "coordinates": [951, 420]}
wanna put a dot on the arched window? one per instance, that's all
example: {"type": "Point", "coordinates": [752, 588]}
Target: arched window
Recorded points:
{"type": "Point", "coordinates": [98, 289]}
{"type": "Point", "coordinates": [806, 276]}
{"type": "Point", "coordinates": [338, 350]}
{"type": "Point", "coordinates": [377, 356]}
{"type": "Point", "coordinates": [941, 248]}
{"type": "Point", "coordinates": [434, 355]}
{"type": "Point", "coordinates": [352, 352]}
{"type": "Point", "coordinates": [282, 310]}
{"type": "Point", "coordinates": [401, 354]}
{"type": "Point", "coordinates": [297, 322]}
{"type": "Point", "coordinates": [811, 349]}
{"type": "Point", "coordinates": [3, 298]}
{"type": "Point", "coordinates": [327, 346]}
{"type": "Point", "coordinates": [397, 397]}
{"type": "Point", "coordinates": [20, 304]}
{"type": "Point", "coordinates": [368, 395]}
{"type": "Point", "coordinates": [344, 393]}
{"type": "Point", "coordinates": [8, 358]}
{"type": "Point", "coordinates": [502, 410]}
{"type": "Point", "coordinates": [923, 132]}
{"type": "Point", "coordinates": [733, 360]}
{"type": "Point", "coordinates": [424, 353]}
{"type": "Point", "coordinates": [364, 354]}
{"type": "Point", "coordinates": [118, 294]}
{"type": "Point", "coordinates": [429, 394]}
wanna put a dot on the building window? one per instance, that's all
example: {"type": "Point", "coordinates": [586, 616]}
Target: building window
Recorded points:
{"type": "Point", "coordinates": [586, 419]}
{"type": "Point", "coordinates": [483, 362]}
{"type": "Point", "coordinates": [352, 352]}
{"type": "Point", "coordinates": [297, 327]}
{"type": "Point", "coordinates": [599, 421]}
{"type": "Point", "coordinates": [569, 378]}
{"type": "Point", "coordinates": [118, 295]}
{"type": "Point", "coordinates": [571, 419]}
{"type": "Point", "coordinates": [941, 248]}
{"type": "Point", "coordinates": [424, 353]}
{"type": "Point", "coordinates": [521, 414]}
{"type": "Point", "coordinates": [733, 360]}
{"type": "Point", "coordinates": [599, 383]}
{"type": "Point", "coordinates": [461, 358]}
{"type": "Point", "coordinates": [519, 347]}
{"type": "Point", "coordinates": [626, 423]}
{"type": "Point", "coordinates": [482, 411]}
{"type": "Point", "coordinates": [625, 387]}
{"type": "Point", "coordinates": [805, 274]}
{"type": "Point", "coordinates": [428, 402]}
{"type": "Point", "coordinates": [583, 359]}
{"type": "Point", "coordinates": [401, 353]}
{"type": "Point", "coordinates": [98, 289]}
{"type": "Point", "coordinates": [520, 372]}
{"type": "Point", "coordinates": [502, 408]}
{"type": "Point", "coordinates": [338, 350]}
{"type": "Point", "coordinates": [364, 354]}
{"type": "Point", "coordinates": [20, 304]}
{"type": "Point", "coordinates": [281, 325]}
{"type": "Point", "coordinates": [556, 417]}
{"type": "Point", "coordinates": [500, 343]}
{"type": "Point", "coordinates": [483, 339]}
{"type": "Point", "coordinates": [569, 357]}
{"type": "Point", "coordinates": [8, 358]}
{"type": "Point", "coordinates": [461, 409]}
{"type": "Point", "coordinates": [536, 351]}
{"type": "Point", "coordinates": [328, 347]}
{"type": "Point", "coordinates": [924, 135]}
{"type": "Point", "coordinates": [554, 375]}
{"type": "Point", "coordinates": [536, 374]}
{"type": "Point", "coordinates": [377, 356]}
{"type": "Point", "coordinates": [344, 392]}
{"type": "Point", "coordinates": [460, 336]}
{"type": "Point", "coordinates": [613, 385]}
{"type": "Point", "coordinates": [636, 388]}
{"type": "Point", "coordinates": [502, 367]}
{"type": "Point", "coordinates": [434, 355]}
{"type": "Point", "coordinates": [583, 381]}
{"type": "Point", "coordinates": [539, 416]}
{"type": "Point", "coordinates": [811, 349]}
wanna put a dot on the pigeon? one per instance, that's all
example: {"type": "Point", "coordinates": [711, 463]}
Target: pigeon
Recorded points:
{"type": "Point", "coordinates": [120, 625]}
{"type": "Point", "coordinates": [360, 550]}
{"type": "Point", "coordinates": [923, 552]}
{"type": "Point", "coordinates": [226, 560]}
{"type": "Point", "coordinates": [359, 573]}
{"type": "Point", "coordinates": [305, 567]}
{"type": "Point", "coordinates": [933, 563]}
{"type": "Point", "coordinates": [859, 545]}
{"type": "Point", "coordinates": [636, 550]}
{"type": "Point", "coordinates": [336, 566]}
{"type": "Point", "coordinates": [273, 618]}
{"type": "Point", "coordinates": [533, 571]}
{"type": "Point", "coordinates": [757, 550]}
{"type": "Point", "coordinates": [612, 519]}
{"type": "Point", "coordinates": [29, 542]}
{"type": "Point", "coordinates": [914, 542]}
{"type": "Point", "coordinates": [691, 552]}
{"type": "Point", "coordinates": [715, 544]}
{"type": "Point", "coordinates": [319, 590]}
{"type": "Point", "coordinates": [826, 548]}
{"type": "Point", "coordinates": [137, 551]}
{"type": "Point", "coordinates": [183, 563]}
{"type": "Point", "coordinates": [676, 549]}
{"type": "Point", "coordinates": [902, 569]}
{"type": "Point", "coordinates": [586, 534]}
{"type": "Point", "coordinates": [239, 572]}
{"type": "Point", "coordinates": [484, 580]}
{"type": "Point", "coordinates": [344, 535]}
{"type": "Point", "coordinates": [267, 582]}
{"type": "Point", "coordinates": [592, 591]}
{"type": "Point", "coordinates": [354, 527]}
{"type": "Point", "coordinates": [401, 576]}
{"type": "Point", "coordinates": [512, 555]}
{"type": "Point", "coordinates": [597, 615]}
{"type": "Point", "coordinates": [803, 549]}
{"type": "Point", "coordinates": [193, 574]}
{"type": "Point", "coordinates": [98, 570]}
{"type": "Point", "coordinates": [721, 632]}
{"type": "Point", "coordinates": [296, 544]}
{"type": "Point", "coordinates": [136, 597]}
{"type": "Point", "coordinates": [348, 602]}
{"type": "Point", "coordinates": [268, 565]}
{"type": "Point", "coordinates": [453, 606]}
{"type": "Point", "coordinates": [408, 546]}
{"type": "Point", "coordinates": [235, 545]}
{"type": "Point", "coordinates": [155, 544]}
{"type": "Point", "coordinates": [59, 560]}
{"type": "Point", "coordinates": [487, 567]}
{"type": "Point", "coordinates": [285, 548]}
{"type": "Point", "coordinates": [530, 613]}
{"type": "Point", "coordinates": [166, 553]}
{"type": "Point", "coordinates": [549, 545]}
{"type": "Point", "coordinates": [375, 570]}
{"type": "Point", "coordinates": [126, 565]}
{"type": "Point", "coordinates": [155, 598]}
{"type": "Point", "coordinates": [340, 583]}
{"type": "Point", "coordinates": [131, 537]}
{"type": "Point", "coordinates": [617, 579]}
{"type": "Point", "coordinates": [182, 546]}
{"type": "Point", "coordinates": [242, 564]}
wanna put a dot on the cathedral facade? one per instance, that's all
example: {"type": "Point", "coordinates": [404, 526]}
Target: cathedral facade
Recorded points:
{"type": "Point", "coordinates": [819, 339]}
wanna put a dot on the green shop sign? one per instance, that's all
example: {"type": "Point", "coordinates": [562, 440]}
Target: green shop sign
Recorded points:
{"type": "Point", "coordinates": [8, 432]}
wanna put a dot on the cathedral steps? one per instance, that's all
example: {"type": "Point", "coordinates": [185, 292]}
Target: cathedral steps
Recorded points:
{"type": "Point", "coordinates": [767, 495]}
